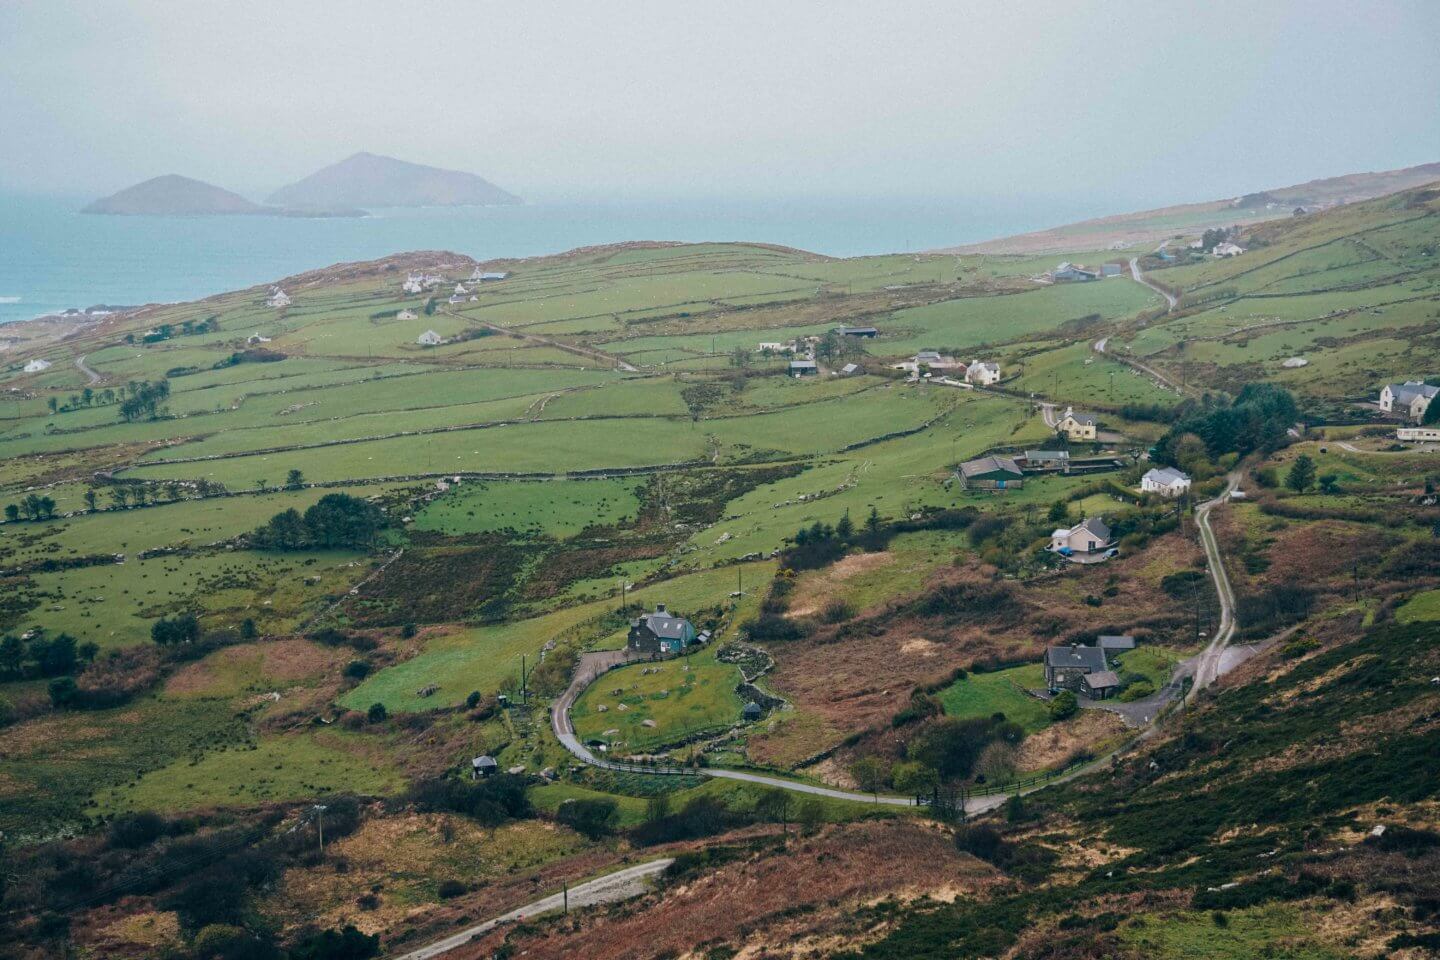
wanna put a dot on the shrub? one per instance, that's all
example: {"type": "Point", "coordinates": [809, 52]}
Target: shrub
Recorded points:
{"type": "Point", "coordinates": [1138, 690]}
{"type": "Point", "coordinates": [129, 831]}
{"type": "Point", "coordinates": [357, 670]}
{"type": "Point", "coordinates": [377, 713]}
{"type": "Point", "coordinates": [593, 818]}
{"type": "Point", "coordinates": [1064, 706]}
{"type": "Point", "coordinates": [449, 889]}
{"type": "Point", "coordinates": [837, 611]}
{"type": "Point", "coordinates": [345, 944]}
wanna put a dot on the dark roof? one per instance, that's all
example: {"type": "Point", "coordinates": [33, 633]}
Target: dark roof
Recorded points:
{"type": "Point", "coordinates": [1091, 658]}
{"type": "Point", "coordinates": [1079, 416]}
{"type": "Point", "coordinates": [1101, 679]}
{"type": "Point", "coordinates": [1097, 526]}
{"type": "Point", "coordinates": [666, 625]}
{"type": "Point", "coordinates": [856, 331]}
{"type": "Point", "coordinates": [988, 465]}
{"type": "Point", "coordinates": [752, 709]}
{"type": "Point", "coordinates": [802, 364]}
{"type": "Point", "coordinates": [1117, 642]}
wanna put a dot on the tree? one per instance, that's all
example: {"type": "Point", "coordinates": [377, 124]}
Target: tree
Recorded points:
{"type": "Point", "coordinates": [1302, 474]}
{"type": "Point", "coordinates": [870, 773]}
{"type": "Point", "coordinates": [1329, 483]}
{"type": "Point", "coordinates": [260, 485]}
{"type": "Point", "coordinates": [12, 656]}
{"type": "Point", "coordinates": [183, 628]}
{"type": "Point", "coordinates": [593, 818]}
{"type": "Point", "coordinates": [90, 499]}
{"type": "Point", "coordinates": [377, 713]}
{"type": "Point", "coordinates": [346, 944]}
{"type": "Point", "coordinates": [53, 404]}
{"type": "Point", "coordinates": [915, 779]}
{"type": "Point", "coordinates": [777, 806]}
{"type": "Point", "coordinates": [62, 691]}
{"type": "Point", "coordinates": [47, 508]}
{"type": "Point", "coordinates": [1432, 413]}
{"type": "Point", "coordinates": [1058, 513]}
{"type": "Point", "coordinates": [121, 496]}
{"type": "Point", "coordinates": [844, 528]}
{"type": "Point", "coordinates": [810, 816]}
{"type": "Point", "coordinates": [1064, 706]}
{"type": "Point", "coordinates": [294, 480]}
{"type": "Point", "coordinates": [740, 358]}
{"type": "Point", "coordinates": [12, 512]}
{"type": "Point", "coordinates": [872, 522]}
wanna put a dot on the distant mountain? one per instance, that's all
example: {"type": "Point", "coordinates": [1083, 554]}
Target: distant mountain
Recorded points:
{"type": "Point", "coordinates": [373, 181]}
{"type": "Point", "coordinates": [175, 196]}
{"type": "Point", "coordinates": [1141, 231]}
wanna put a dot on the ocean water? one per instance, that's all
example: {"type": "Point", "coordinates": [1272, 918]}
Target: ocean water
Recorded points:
{"type": "Point", "coordinates": [53, 258]}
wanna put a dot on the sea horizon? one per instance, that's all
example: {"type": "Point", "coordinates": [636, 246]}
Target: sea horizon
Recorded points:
{"type": "Point", "coordinates": [57, 258]}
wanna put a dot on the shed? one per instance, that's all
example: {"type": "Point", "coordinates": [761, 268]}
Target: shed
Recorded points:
{"type": "Point", "coordinates": [1101, 683]}
{"type": "Point", "coordinates": [483, 766]}
{"type": "Point", "coordinates": [991, 473]}
{"type": "Point", "coordinates": [803, 368]}
{"type": "Point", "coordinates": [869, 332]}
{"type": "Point", "coordinates": [1116, 642]}
{"type": "Point", "coordinates": [752, 711]}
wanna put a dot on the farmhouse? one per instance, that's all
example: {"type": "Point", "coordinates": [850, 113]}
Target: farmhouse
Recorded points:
{"type": "Point", "coordinates": [983, 373]}
{"type": "Point", "coordinates": [1077, 425]}
{"type": "Point", "coordinates": [1227, 249]}
{"type": "Point", "coordinates": [1409, 399]}
{"type": "Point", "coordinates": [1166, 481]}
{"type": "Point", "coordinates": [931, 359]}
{"type": "Point", "coordinates": [867, 332]}
{"type": "Point", "coordinates": [429, 339]}
{"type": "Point", "coordinates": [1069, 668]}
{"type": "Point", "coordinates": [1073, 271]}
{"type": "Point", "coordinates": [660, 632]}
{"type": "Point", "coordinates": [414, 283]}
{"type": "Point", "coordinates": [1407, 434]}
{"type": "Point", "coordinates": [1090, 535]}
{"type": "Point", "coordinates": [278, 298]}
{"type": "Point", "coordinates": [36, 365]}
{"type": "Point", "coordinates": [803, 368]}
{"type": "Point", "coordinates": [991, 473]}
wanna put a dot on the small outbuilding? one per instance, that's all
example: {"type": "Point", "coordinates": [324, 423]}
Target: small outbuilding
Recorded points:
{"type": "Point", "coordinates": [803, 368]}
{"type": "Point", "coordinates": [37, 365]}
{"type": "Point", "coordinates": [751, 712]}
{"type": "Point", "coordinates": [868, 333]}
{"type": "Point", "coordinates": [429, 339]}
{"type": "Point", "coordinates": [483, 766]}
{"type": "Point", "coordinates": [1116, 643]}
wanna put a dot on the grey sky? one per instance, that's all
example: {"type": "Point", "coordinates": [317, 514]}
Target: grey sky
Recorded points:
{"type": "Point", "coordinates": [1144, 102]}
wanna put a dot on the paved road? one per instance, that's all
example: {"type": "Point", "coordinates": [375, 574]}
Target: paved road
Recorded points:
{"type": "Point", "coordinates": [1170, 299]}
{"type": "Point", "coordinates": [86, 369]}
{"type": "Point", "coordinates": [621, 885]}
{"type": "Point", "coordinates": [586, 352]}
{"type": "Point", "coordinates": [1208, 666]}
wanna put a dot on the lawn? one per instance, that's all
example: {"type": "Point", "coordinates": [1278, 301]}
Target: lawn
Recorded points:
{"type": "Point", "coordinates": [661, 702]}
{"type": "Point", "coordinates": [557, 508]}
{"type": "Point", "coordinates": [986, 694]}
{"type": "Point", "coordinates": [1422, 606]}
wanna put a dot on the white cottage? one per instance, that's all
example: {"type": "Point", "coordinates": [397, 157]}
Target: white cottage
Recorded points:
{"type": "Point", "coordinates": [37, 365]}
{"type": "Point", "coordinates": [1410, 399]}
{"type": "Point", "coordinates": [982, 372]}
{"type": "Point", "coordinates": [429, 339]}
{"type": "Point", "coordinates": [1166, 481]}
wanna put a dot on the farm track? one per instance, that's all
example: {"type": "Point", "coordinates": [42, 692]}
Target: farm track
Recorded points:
{"type": "Point", "coordinates": [587, 352]}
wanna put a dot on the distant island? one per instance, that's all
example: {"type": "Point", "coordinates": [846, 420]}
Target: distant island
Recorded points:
{"type": "Point", "coordinates": [172, 195]}
{"type": "Point", "coordinates": [369, 180]}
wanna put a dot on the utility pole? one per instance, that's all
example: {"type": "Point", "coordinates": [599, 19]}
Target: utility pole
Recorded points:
{"type": "Point", "coordinates": [567, 896]}
{"type": "Point", "coordinates": [524, 690]}
{"type": "Point", "coordinates": [320, 825]}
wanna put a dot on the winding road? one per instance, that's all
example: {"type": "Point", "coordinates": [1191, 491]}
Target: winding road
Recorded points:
{"type": "Point", "coordinates": [586, 352]}
{"type": "Point", "coordinates": [1207, 667]}
{"type": "Point", "coordinates": [611, 888]}
{"type": "Point", "coordinates": [87, 369]}
{"type": "Point", "coordinates": [1170, 299]}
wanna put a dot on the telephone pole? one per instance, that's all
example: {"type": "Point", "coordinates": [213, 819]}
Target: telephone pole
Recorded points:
{"type": "Point", "coordinates": [320, 825]}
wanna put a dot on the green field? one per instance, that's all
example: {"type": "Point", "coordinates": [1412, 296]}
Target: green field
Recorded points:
{"type": "Point", "coordinates": [986, 694]}
{"type": "Point", "coordinates": [677, 698]}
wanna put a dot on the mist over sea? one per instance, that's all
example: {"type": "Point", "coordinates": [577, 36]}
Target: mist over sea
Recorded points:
{"type": "Point", "coordinates": [53, 258]}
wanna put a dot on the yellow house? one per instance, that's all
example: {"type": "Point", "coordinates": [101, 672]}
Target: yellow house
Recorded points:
{"type": "Point", "coordinates": [1078, 426]}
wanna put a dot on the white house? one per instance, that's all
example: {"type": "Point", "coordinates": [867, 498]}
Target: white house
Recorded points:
{"type": "Point", "coordinates": [1227, 249]}
{"type": "Point", "coordinates": [1077, 425]}
{"type": "Point", "coordinates": [460, 290]}
{"type": "Point", "coordinates": [983, 373]}
{"type": "Point", "coordinates": [36, 365]}
{"type": "Point", "coordinates": [931, 360]}
{"type": "Point", "coordinates": [1411, 398]}
{"type": "Point", "coordinates": [1090, 535]}
{"type": "Point", "coordinates": [429, 339]}
{"type": "Point", "coordinates": [256, 338]}
{"type": "Point", "coordinates": [407, 315]}
{"type": "Point", "coordinates": [772, 346]}
{"type": "Point", "coordinates": [1166, 481]}
{"type": "Point", "coordinates": [414, 283]}
{"type": "Point", "coordinates": [278, 298]}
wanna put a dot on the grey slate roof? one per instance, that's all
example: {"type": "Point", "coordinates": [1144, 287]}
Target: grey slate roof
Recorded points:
{"type": "Point", "coordinates": [666, 625]}
{"type": "Point", "coordinates": [1117, 642]}
{"type": "Point", "coordinates": [1406, 393]}
{"type": "Point", "coordinates": [1047, 454]}
{"type": "Point", "coordinates": [1101, 679]}
{"type": "Point", "coordinates": [482, 763]}
{"type": "Point", "coordinates": [1091, 658]}
{"type": "Point", "coordinates": [1079, 416]}
{"type": "Point", "coordinates": [1166, 475]}
{"type": "Point", "coordinates": [1097, 526]}
{"type": "Point", "coordinates": [802, 364]}
{"type": "Point", "coordinates": [985, 465]}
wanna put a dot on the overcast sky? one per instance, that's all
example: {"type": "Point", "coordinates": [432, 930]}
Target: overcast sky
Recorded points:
{"type": "Point", "coordinates": [1141, 102]}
